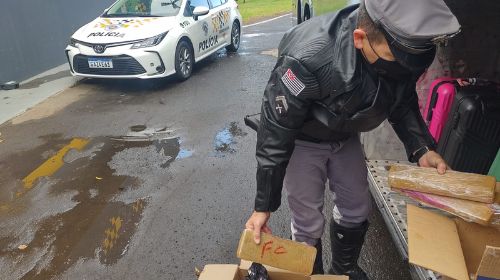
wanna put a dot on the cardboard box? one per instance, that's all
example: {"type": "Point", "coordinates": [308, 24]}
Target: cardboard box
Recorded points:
{"type": "Point", "coordinates": [272, 250]}
{"type": "Point", "coordinates": [239, 272]}
{"type": "Point", "coordinates": [454, 248]}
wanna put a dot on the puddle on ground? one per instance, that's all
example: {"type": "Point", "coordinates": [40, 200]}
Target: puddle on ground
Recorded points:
{"type": "Point", "coordinates": [235, 130]}
{"type": "Point", "coordinates": [138, 128]}
{"type": "Point", "coordinates": [147, 134]}
{"type": "Point", "coordinates": [183, 153]}
{"type": "Point", "coordinates": [45, 79]}
{"type": "Point", "coordinates": [16, 167]}
{"type": "Point", "coordinates": [170, 148]}
{"type": "Point", "coordinates": [225, 138]}
{"type": "Point", "coordinates": [92, 224]}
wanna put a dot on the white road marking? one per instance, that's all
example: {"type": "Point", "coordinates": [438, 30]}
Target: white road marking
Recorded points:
{"type": "Point", "coordinates": [251, 35]}
{"type": "Point", "coordinates": [267, 20]}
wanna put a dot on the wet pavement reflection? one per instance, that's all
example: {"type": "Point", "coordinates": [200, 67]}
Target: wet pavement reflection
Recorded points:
{"type": "Point", "coordinates": [225, 138]}
{"type": "Point", "coordinates": [89, 222]}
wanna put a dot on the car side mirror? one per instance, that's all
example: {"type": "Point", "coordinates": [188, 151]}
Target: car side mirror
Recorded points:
{"type": "Point", "coordinates": [199, 11]}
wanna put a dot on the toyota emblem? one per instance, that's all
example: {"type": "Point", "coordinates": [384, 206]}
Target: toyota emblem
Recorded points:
{"type": "Point", "coordinates": [99, 48]}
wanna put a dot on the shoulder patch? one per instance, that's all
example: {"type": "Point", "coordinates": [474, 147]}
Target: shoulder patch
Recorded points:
{"type": "Point", "coordinates": [281, 105]}
{"type": "Point", "coordinates": [294, 85]}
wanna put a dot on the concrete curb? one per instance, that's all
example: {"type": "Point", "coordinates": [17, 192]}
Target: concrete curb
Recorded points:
{"type": "Point", "coordinates": [34, 91]}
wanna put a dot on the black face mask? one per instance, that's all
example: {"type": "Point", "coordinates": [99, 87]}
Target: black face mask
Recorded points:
{"type": "Point", "coordinates": [389, 69]}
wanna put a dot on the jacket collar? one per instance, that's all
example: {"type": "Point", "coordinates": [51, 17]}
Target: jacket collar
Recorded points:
{"type": "Point", "coordinates": [346, 61]}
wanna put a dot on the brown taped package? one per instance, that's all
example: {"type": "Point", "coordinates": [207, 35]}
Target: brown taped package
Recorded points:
{"type": "Point", "coordinates": [461, 185]}
{"type": "Point", "coordinates": [277, 252]}
{"type": "Point", "coordinates": [472, 211]}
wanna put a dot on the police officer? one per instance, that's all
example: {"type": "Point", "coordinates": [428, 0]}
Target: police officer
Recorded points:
{"type": "Point", "coordinates": [338, 75]}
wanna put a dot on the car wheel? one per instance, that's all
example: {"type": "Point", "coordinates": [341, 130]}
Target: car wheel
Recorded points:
{"type": "Point", "coordinates": [184, 60]}
{"type": "Point", "coordinates": [235, 38]}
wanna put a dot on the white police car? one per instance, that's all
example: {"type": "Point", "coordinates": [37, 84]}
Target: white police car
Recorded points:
{"type": "Point", "coordinates": [153, 38]}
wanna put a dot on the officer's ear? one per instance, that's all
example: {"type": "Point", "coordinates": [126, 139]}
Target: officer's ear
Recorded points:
{"type": "Point", "coordinates": [358, 36]}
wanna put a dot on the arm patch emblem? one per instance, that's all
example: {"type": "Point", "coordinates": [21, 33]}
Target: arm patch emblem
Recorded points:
{"type": "Point", "coordinates": [294, 85]}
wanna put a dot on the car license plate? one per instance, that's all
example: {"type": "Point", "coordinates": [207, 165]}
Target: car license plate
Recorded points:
{"type": "Point", "coordinates": [100, 63]}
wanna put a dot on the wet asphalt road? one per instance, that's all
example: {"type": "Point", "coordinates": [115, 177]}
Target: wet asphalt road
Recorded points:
{"type": "Point", "coordinates": [145, 179]}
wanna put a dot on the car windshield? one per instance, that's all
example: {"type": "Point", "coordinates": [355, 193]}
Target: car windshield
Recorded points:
{"type": "Point", "coordinates": [144, 8]}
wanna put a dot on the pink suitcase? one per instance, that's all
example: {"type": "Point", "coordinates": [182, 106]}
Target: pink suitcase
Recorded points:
{"type": "Point", "coordinates": [439, 101]}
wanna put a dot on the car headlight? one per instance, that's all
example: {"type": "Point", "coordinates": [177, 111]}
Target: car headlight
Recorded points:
{"type": "Point", "coordinates": [153, 41]}
{"type": "Point", "coordinates": [72, 42]}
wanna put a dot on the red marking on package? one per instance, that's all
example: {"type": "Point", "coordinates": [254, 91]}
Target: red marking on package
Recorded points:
{"type": "Point", "coordinates": [266, 247]}
{"type": "Point", "coordinates": [292, 82]}
{"type": "Point", "coordinates": [280, 250]}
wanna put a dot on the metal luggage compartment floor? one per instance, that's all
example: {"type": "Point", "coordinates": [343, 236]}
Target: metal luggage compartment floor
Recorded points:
{"type": "Point", "coordinates": [392, 205]}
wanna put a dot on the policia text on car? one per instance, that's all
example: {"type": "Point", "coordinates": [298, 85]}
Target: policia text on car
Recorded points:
{"type": "Point", "coordinates": [338, 75]}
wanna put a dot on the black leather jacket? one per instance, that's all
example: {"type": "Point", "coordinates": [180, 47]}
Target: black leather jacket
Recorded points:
{"type": "Point", "coordinates": [322, 90]}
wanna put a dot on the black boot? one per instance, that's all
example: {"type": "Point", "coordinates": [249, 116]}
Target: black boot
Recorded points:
{"type": "Point", "coordinates": [346, 246]}
{"type": "Point", "coordinates": [318, 262]}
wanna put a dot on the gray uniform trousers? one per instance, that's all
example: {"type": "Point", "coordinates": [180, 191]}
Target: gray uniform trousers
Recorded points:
{"type": "Point", "coordinates": [310, 165]}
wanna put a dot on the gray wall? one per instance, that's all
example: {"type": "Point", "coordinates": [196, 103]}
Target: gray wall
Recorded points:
{"type": "Point", "coordinates": [34, 33]}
